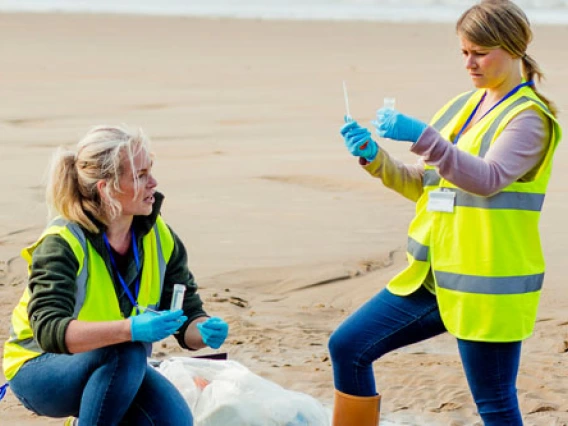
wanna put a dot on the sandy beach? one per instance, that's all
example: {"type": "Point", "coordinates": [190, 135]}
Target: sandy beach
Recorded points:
{"type": "Point", "coordinates": [286, 234]}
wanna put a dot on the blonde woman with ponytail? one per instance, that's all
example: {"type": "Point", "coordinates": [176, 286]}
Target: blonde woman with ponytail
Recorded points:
{"type": "Point", "coordinates": [99, 292]}
{"type": "Point", "coordinates": [476, 267]}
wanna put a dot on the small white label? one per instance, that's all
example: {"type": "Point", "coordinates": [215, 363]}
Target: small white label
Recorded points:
{"type": "Point", "coordinates": [441, 201]}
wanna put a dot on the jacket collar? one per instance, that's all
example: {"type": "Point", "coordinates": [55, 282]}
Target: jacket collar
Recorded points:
{"type": "Point", "coordinates": [141, 225]}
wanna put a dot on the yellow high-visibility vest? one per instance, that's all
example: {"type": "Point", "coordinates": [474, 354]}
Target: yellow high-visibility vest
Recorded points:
{"type": "Point", "coordinates": [93, 302]}
{"type": "Point", "coordinates": [486, 256]}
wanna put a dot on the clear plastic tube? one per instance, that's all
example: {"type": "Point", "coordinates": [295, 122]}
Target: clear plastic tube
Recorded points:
{"type": "Point", "coordinates": [389, 103]}
{"type": "Point", "coordinates": [177, 297]}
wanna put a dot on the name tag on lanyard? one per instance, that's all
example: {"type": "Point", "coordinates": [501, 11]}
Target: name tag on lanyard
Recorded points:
{"type": "Point", "coordinates": [441, 201]}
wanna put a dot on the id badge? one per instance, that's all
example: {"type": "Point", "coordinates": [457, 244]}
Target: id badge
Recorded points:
{"type": "Point", "coordinates": [441, 201]}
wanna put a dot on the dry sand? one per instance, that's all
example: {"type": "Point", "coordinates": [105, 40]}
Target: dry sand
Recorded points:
{"type": "Point", "coordinates": [286, 234]}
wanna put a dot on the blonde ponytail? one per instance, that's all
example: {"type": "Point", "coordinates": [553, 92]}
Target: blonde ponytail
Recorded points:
{"type": "Point", "coordinates": [531, 69]}
{"type": "Point", "coordinates": [71, 189]}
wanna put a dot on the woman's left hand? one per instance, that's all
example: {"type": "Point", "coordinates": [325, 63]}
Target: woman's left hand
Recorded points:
{"type": "Point", "coordinates": [214, 331]}
{"type": "Point", "coordinates": [394, 125]}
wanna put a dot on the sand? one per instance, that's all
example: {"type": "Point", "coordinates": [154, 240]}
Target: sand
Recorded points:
{"type": "Point", "coordinates": [286, 233]}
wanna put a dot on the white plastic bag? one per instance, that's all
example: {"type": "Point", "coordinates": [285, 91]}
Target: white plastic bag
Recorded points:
{"type": "Point", "coordinates": [223, 393]}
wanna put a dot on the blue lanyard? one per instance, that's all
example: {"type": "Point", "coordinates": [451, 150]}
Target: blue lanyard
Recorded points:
{"type": "Point", "coordinates": [122, 282]}
{"type": "Point", "coordinates": [503, 99]}
{"type": "Point", "coordinates": [3, 390]}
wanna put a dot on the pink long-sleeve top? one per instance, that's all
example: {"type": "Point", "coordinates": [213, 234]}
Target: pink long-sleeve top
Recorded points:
{"type": "Point", "coordinates": [515, 156]}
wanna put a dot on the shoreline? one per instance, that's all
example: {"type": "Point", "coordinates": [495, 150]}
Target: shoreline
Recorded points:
{"type": "Point", "coordinates": [352, 14]}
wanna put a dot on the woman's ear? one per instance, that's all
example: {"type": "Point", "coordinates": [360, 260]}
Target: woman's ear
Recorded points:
{"type": "Point", "coordinates": [101, 189]}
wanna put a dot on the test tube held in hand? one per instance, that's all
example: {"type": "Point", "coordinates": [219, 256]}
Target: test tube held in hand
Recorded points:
{"type": "Point", "coordinates": [387, 103]}
{"type": "Point", "coordinates": [177, 297]}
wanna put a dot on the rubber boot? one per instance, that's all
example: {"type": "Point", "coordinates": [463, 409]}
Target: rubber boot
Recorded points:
{"type": "Point", "coordinates": [350, 410]}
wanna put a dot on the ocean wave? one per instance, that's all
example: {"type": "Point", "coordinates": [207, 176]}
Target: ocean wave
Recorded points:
{"type": "Point", "coordinates": [539, 11]}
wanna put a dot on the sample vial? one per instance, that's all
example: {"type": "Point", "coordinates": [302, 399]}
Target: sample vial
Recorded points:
{"type": "Point", "coordinates": [389, 103]}
{"type": "Point", "coordinates": [177, 297]}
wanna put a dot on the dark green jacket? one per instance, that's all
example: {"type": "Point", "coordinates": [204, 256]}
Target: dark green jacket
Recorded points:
{"type": "Point", "coordinates": [52, 282]}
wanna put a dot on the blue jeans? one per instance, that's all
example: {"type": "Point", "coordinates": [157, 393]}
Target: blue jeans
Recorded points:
{"type": "Point", "coordinates": [108, 386]}
{"type": "Point", "coordinates": [388, 322]}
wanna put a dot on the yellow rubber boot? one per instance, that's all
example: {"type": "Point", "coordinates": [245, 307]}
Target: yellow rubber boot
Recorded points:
{"type": "Point", "coordinates": [350, 410]}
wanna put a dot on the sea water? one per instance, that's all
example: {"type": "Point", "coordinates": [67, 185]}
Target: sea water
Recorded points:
{"type": "Point", "coordinates": [538, 11]}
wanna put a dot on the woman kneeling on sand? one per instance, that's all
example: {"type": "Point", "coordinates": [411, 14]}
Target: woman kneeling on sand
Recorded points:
{"type": "Point", "coordinates": [100, 284]}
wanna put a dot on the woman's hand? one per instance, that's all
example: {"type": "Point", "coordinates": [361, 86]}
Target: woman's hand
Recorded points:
{"type": "Point", "coordinates": [206, 331]}
{"type": "Point", "coordinates": [358, 140]}
{"type": "Point", "coordinates": [393, 125]}
{"type": "Point", "coordinates": [153, 326]}
{"type": "Point", "coordinates": [214, 331]}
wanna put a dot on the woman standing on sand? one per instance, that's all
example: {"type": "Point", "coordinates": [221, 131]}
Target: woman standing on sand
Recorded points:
{"type": "Point", "coordinates": [100, 284]}
{"type": "Point", "coordinates": [476, 267]}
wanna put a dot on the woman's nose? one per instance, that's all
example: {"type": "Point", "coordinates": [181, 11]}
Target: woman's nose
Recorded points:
{"type": "Point", "coordinates": [470, 62]}
{"type": "Point", "coordinates": [152, 182]}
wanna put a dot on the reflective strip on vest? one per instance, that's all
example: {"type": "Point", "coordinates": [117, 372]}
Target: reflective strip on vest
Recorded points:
{"type": "Point", "coordinates": [161, 258]}
{"type": "Point", "coordinates": [29, 344]}
{"type": "Point", "coordinates": [430, 178]}
{"type": "Point", "coordinates": [488, 136]}
{"type": "Point", "coordinates": [490, 285]}
{"type": "Point", "coordinates": [81, 280]}
{"type": "Point", "coordinates": [417, 250]}
{"type": "Point", "coordinates": [502, 200]}
{"type": "Point", "coordinates": [447, 116]}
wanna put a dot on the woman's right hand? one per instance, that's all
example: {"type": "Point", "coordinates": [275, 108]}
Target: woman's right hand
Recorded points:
{"type": "Point", "coordinates": [153, 326]}
{"type": "Point", "coordinates": [358, 140]}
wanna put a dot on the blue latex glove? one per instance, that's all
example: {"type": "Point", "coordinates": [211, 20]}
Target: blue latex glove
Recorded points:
{"type": "Point", "coordinates": [358, 140]}
{"type": "Point", "coordinates": [396, 126]}
{"type": "Point", "coordinates": [153, 326]}
{"type": "Point", "coordinates": [214, 331]}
